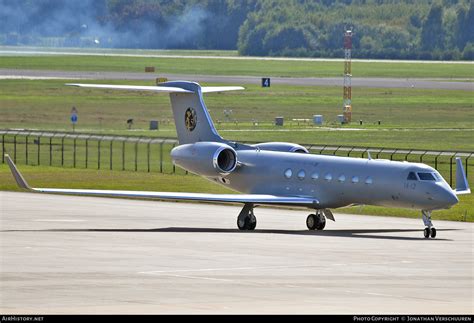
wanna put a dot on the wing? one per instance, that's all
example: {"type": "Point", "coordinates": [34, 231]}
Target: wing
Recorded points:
{"type": "Point", "coordinates": [226, 198]}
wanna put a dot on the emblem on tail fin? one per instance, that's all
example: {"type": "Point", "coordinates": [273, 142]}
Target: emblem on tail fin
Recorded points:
{"type": "Point", "coordinates": [190, 119]}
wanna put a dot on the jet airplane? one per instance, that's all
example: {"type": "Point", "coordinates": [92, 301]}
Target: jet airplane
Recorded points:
{"type": "Point", "coordinates": [278, 173]}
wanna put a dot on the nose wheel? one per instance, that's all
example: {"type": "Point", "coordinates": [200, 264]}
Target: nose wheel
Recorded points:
{"type": "Point", "coordinates": [316, 221]}
{"type": "Point", "coordinates": [430, 231]}
{"type": "Point", "coordinates": [246, 219]}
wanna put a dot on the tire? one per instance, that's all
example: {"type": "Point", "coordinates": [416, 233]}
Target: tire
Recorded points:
{"type": "Point", "coordinates": [311, 222]}
{"type": "Point", "coordinates": [426, 233]}
{"type": "Point", "coordinates": [251, 222]}
{"type": "Point", "coordinates": [321, 222]}
{"type": "Point", "coordinates": [433, 233]}
{"type": "Point", "coordinates": [242, 223]}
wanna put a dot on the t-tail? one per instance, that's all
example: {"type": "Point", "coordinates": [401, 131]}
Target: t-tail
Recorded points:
{"type": "Point", "coordinates": [191, 117]}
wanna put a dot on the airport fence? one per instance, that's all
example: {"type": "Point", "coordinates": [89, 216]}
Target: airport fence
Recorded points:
{"type": "Point", "coordinates": [152, 154]}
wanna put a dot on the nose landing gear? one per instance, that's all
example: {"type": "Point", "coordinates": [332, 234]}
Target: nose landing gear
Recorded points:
{"type": "Point", "coordinates": [430, 231]}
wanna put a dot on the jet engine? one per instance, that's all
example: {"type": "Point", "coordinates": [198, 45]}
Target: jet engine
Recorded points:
{"type": "Point", "coordinates": [282, 146]}
{"type": "Point", "coordinates": [206, 158]}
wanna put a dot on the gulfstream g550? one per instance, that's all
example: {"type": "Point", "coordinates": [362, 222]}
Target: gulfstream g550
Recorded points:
{"type": "Point", "coordinates": [282, 173]}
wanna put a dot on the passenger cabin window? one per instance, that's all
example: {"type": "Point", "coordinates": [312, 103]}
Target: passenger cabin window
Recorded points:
{"type": "Point", "coordinates": [301, 174]}
{"type": "Point", "coordinates": [328, 177]}
{"type": "Point", "coordinates": [355, 179]}
{"type": "Point", "coordinates": [288, 173]}
{"type": "Point", "coordinates": [315, 176]}
{"type": "Point", "coordinates": [369, 180]}
{"type": "Point", "coordinates": [412, 177]}
{"type": "Point", "coordinates": [426, 177]}
{"type": "Point", "coordinates": [342, 178]}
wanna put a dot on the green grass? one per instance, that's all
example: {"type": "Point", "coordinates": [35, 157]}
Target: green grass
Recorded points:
{"type": "Point", "coordinates": [41, 176]}
{"type": "Point", "coordinates": [410, 118]}
{"type": "Point", "coordinates": [238, 67]}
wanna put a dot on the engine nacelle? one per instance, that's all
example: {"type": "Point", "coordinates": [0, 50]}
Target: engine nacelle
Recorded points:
{"type": "Point", "coordinates": [282, 146]}
{"type": "Point", "coordinates": [206, 158]}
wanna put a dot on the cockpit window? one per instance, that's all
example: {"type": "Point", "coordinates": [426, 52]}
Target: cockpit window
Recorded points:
{"type": "Point", "coordinates": [412, 177]}
{"type": "Point", "coordinates": [426, 177]}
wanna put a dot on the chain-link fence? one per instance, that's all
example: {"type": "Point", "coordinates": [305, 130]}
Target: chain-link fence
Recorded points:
{"type": "Point", "coordinates": [151, 154]}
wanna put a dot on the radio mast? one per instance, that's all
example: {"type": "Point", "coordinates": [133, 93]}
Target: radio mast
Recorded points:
{"type": "Point", "coordinates": [347, 96]}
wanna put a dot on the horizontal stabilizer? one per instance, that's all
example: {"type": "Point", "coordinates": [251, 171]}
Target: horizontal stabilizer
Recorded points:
{"type": "Point", "coordinates": [462, 186]}
{"type": "Point", "coordinates": [211, 89]}
{"type": "Point", "coordinates": [162, 88]}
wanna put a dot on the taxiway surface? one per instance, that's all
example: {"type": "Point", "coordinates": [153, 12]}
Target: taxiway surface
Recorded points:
{"type": "Point", "coordinates": [66, 254]}
{"type": "Point", "coordinates": [372, 82]}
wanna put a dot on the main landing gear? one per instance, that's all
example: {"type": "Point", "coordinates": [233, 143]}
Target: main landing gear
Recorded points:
{"type": "Point", "coordinates": [430, 231]}
{"type": "Point", "coordinates": [316, 221]}
{"type": "Point", "coordinates": [246, 219]}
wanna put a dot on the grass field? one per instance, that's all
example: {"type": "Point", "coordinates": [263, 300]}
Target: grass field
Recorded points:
{"type": "Point", "coordinates": [410, 118]}
{"type": "Point", "coordinates": [261, 68]}
{"type": "Point", "coordinates": [41, 176]}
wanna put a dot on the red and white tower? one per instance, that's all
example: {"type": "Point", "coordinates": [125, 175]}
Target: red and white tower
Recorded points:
{"type": "Point", "coordinates": [347, 95]}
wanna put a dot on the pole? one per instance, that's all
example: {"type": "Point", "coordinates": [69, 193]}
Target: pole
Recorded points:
{"type": "Point", "coordinates": [111, 143]}
{"type": "Point", "coordinates": [26, 150]}
{"type": "Point", "coordinates": [98, 154]}
{"type": "Point", "coordinates": [161, 157]}
{"type": "Point", "coordinates": [39, 149]}
{"type": "Point", "coordinates": [3, 149]}
{"type": "Point", "coordinates": [62, 151]}
{"type": "Point", "coordinates": [74, 154]}
{"type": "Point", "coordinates": [136, 156]}
{"type": "Point", "coordinates": [50, 151]}
{"type": "Point", "coordinates": [123, 155]}
{"type": "Point", "coordinates": [87, 151]}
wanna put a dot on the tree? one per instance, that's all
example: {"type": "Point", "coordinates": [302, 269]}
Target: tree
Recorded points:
{"type": "Point", "coordinates": [432, 32]}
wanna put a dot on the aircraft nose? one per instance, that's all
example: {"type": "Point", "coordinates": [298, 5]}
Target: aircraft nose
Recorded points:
{"type": "Point", "coordinates": [449, 198]}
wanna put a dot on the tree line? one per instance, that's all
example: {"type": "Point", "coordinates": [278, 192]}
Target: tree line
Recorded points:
{"type": "Point", "coordinates": [386, 29]}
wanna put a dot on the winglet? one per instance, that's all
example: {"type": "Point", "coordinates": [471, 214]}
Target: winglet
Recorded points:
{"type": "Point", "coordinates": [462, 186]}
{"type": "Point", "coordinates": [16, 174]}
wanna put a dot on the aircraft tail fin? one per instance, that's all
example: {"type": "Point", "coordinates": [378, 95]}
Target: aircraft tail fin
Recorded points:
{"type": "Point", "coordinates": [191, 117]}
{"type": "Point", "coordinates": [462, 186]}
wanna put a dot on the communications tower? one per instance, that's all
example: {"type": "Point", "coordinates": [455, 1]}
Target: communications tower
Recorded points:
{"type": "Point", "coordinates": [347, 96]}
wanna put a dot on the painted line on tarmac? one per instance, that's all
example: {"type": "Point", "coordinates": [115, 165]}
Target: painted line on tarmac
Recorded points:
{"type": "Point", "coordinates": [59, 220]}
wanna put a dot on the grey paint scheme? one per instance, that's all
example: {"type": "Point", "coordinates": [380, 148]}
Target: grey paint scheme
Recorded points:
{"type": "Point", "coordinates": [260, 173]}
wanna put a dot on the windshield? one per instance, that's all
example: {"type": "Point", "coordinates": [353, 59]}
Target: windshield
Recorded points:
{"type": "Point", "coordinates": [427, 177]}
{"type": "Point", "coordinates": [424, 176]}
